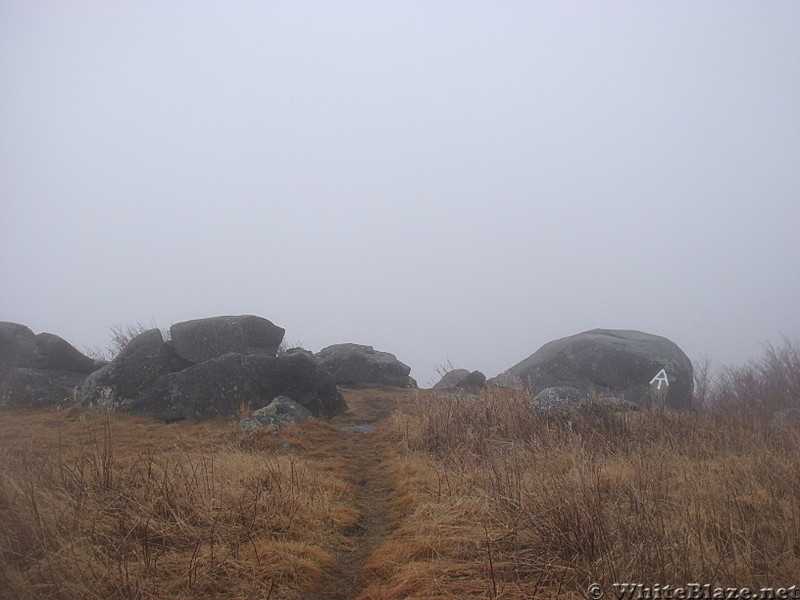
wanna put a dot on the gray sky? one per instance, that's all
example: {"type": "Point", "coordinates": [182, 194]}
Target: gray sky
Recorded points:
{"type": "Point", "coordinates": [462, 180]}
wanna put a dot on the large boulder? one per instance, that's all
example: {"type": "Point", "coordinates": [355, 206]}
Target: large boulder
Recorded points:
{"type": "Point", "coordinates": [451, 379]}
{"type": "Point", "coordinates": [352, 364]}
{"type": "Point", "coordinates": [563, 400]}
{"type": "Point", "coordinates": [476, 379]}
{"type": "Point", "coordinates": [60, 354]}
{"type": "Point", "coordinates": [222, 385]}
{"type": "Point", "coordinates": [18, 347]}
{"type": "Point", "coordinates": [559, 397]}
{"type": "Point", "coordinates": [505, 380]}
{"type": "Point", "coordinates": [204, 339]}
{"type": "Point", "coordinates": [636, 366]}
{"type": "Point", "coordinates": [23, 387]}
{"type": "Point", "coordinates": [38, 370]}
{"type": "Point", "coordinates": [136, 369]}
{"type": "Point", "coordinates": [461, 378]}
{"type": "Point", "coordinates": [279, 413]}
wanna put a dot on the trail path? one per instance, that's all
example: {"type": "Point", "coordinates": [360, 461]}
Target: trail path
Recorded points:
{"type": "Point", "coordinates": [364, 453]}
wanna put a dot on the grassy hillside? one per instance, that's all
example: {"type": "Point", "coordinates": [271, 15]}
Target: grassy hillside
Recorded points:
{"type": "Point", "coordinates": [449, 497]}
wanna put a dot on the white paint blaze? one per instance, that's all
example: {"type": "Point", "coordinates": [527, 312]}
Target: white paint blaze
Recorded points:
{"type": "Point", "coordinates": [661, 377]}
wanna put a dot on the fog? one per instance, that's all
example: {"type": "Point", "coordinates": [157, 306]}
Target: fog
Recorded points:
{"type": "Point", "coordinates": [459, 181]}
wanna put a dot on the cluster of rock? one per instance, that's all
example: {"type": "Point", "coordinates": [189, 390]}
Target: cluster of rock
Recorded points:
{"type": "Point", "coordinates": [618, 366]}
{"type": "Point", "coordinates": [208, 367]}
{"type": "Point", "coordinates": [461, 378]}
{"type": "Point", "coordinates": [212, 367]}
{"type": "Point", "coordinates": [353, 364]}
{"type": "Point", "coordinates": [38, 369]}
{"type": "Point", "coordinates": [614, 368]}
{"type": "Point", "coordinates": [215, 366]}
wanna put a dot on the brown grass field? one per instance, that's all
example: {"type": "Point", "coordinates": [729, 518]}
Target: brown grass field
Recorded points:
{"type": "Point", "coordinates": [450, 497]}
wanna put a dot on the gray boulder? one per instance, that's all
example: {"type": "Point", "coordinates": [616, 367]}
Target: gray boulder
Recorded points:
{"type": "Point", "coordinates": [133, 372]}
{"type": "Point", "coordinates": [559, 397]}
{"type": "Point", "coordinates": [221, 385]}
{"type": "Point", "coordinates": [279, 413]}
{"type": "Point", "coordinates": [353, 364]}
{"type": "Point", "coordinates": [451, 379]}
{"type": "Point", "coordinates": [38, 370]}
{"type": "Point", "coordinates": [23, 387]}
{"type": "Point", "coordinates": [60, 354]}
{"type": "Point", "coordinates": [461, 378]}
{"type": "Point", "coordinates": [204, 339]}
{"type": "Point", "coordinates": [505, 380]}
{"type": "Point", "coordinates": [18, 347]}
{"type": "Point", "coordinates": [476, 379]}
{"type": "Point", "coordinates": [631, 365]}
{"type": "Point", "coordinates": [564, 399]}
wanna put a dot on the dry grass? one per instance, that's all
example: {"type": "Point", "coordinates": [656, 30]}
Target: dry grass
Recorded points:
{"type": "Point", "coordinates": [487, 499]}
{"type": "Point", "coordinates": [98, 505]}
{"type": "Point", "coordinates": [497, 501]}
{"type": "Point", "coordinates": [763, 385]}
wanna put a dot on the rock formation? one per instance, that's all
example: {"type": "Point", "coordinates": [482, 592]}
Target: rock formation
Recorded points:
{"type": "Point", "coordinates": [636, 366]}
{"type": "Point", "coordinates": [203, 339]}
{"type": "Point", "coordinates": [353, 364]}
{"type": "Point", "coordinates": [461, 378]}
{"type": "Point", "coordinates": [38, 370]}
{"type": "Point", "coordinates": [212, 367]}
{"type": "Point", "coordinates": [279, 413]}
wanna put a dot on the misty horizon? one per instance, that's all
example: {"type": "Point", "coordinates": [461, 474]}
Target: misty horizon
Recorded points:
{"type": "Point", "coordinates": [446, 182]}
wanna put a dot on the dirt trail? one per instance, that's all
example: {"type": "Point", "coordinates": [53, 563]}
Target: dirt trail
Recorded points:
{"type": "Point", "coordinates": [365, 451]}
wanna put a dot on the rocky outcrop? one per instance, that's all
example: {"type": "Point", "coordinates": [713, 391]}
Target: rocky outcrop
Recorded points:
{"type": "Point", "coordinates": [183, 378]}
{"type": "Point", "coordinates": [451, 379]}
{"type": "Point", "coordinates": [461, 378]}
{"type": "Point", "coordinates": [133, 372]}
{"type": "Point", "coordinates": [505, 380]}
{"type": "Point", "coordinates": [562, 400]}
{"type": "Point", "coordinates": [279, 413]}
{"type": "Point", "coordinates": [18, 347]}
{"type": "Point", "coordinates": [38, 370]}
{"type": "Point", "coordinates": [211, 368]}
{"type": "Point", "coordinates": [60, 354]}
{"type": "Point", "coordinates": [23, 387]}
{"type": "Point", "coordinates": [353, 364]}
{"type": "Point", "coordinates": [204, 339]}
{"type": "Point", "coordinates": [222, 385]}
{"type": "Point", "coordinates": [559, 397]}
{"type": "Point", "coordinates": [632, 365]}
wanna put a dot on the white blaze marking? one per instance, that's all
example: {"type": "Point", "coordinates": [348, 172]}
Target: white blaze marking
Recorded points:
{"type": "Point", "coordinates": [661, 377]}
